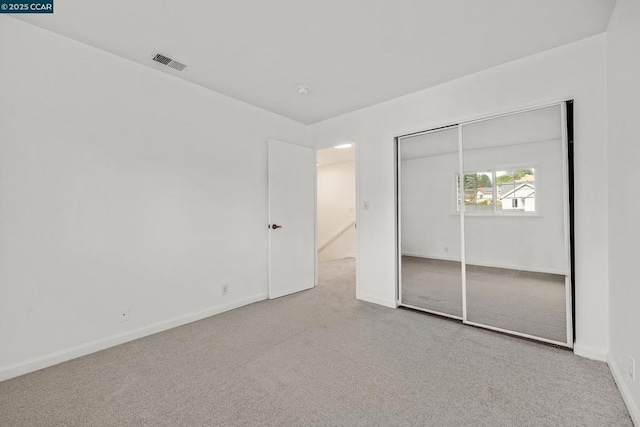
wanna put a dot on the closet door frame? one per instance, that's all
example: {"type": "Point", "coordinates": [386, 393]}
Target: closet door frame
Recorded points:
{"type": "Point", "coordinates": [566, 196]}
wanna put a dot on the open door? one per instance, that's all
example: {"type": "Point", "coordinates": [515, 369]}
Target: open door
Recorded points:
{"type": "Point", "coordinates": [292, 246]}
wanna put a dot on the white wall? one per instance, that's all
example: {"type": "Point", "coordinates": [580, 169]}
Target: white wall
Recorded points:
{"type": "Point", "coordinates": [529, 242]}
{"type": "Point", "coordinates": [573, 71]}
{"type": "Point", "coordinates": [623, 43]}
{"type": "Point", "coordinates": [336, 210]}
{"type": "Point", "coordinates": [120, 186]}
{"type": "Point", "coordinates": [344, 246]}
{"type": "Point", "coordinates": [430, 223]}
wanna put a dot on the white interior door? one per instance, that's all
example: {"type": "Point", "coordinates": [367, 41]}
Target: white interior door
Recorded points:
{"type": "Point", "coordinates": [292, 246]}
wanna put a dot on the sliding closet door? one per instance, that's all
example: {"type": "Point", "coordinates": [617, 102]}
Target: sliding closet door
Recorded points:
{"type": "Point", "coordinates": [430, 255]}
{"type": "Point", "coordinates": [515, 224]}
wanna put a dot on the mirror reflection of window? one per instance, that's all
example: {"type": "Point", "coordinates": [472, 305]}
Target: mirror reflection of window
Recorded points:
{"type": "Point", "coordinates": [516, 190]}
{"type": "Point", "coordinates": [499, 191]}
{"type": "Point", "coordinates": [478, 192]}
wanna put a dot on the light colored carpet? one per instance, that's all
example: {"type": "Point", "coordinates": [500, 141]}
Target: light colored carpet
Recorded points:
{"type": "Point", "coordinates": [321, 358]}
{"type": "Point", "coordinates": [530, 303]}
{"type": "Point", "coordinates": [432, 284]}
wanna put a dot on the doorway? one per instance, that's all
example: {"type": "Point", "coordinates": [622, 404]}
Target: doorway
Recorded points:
{"type": "Point", "coordinates": [336, 216]}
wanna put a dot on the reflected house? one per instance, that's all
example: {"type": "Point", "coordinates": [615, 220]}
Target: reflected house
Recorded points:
{"type": "Point", "coordinates": [479, 199]}
{"type": "Point", "coordinates": [479, 196]}
{"type": "Point", "coordinates": [484, 194]}
{"type": "Point", "coordinates": [518, 196]}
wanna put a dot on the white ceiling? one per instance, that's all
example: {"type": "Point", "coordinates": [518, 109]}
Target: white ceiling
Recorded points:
{"type": "Point", "coordinates": [351, 53]}
{"type": "Point", "coordinates": [329, 156]}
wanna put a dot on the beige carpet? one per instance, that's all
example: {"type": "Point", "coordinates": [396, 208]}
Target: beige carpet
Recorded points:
{"type": "Point", "coordinates": [514, 300]}
{"type": "Point", "coordinates": [432, 284]}
{"type": "Point", "coordinates": [319, 358]}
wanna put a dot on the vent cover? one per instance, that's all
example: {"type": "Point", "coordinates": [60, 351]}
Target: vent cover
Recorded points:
{"type": "Point", "coordinates": [169, 62]}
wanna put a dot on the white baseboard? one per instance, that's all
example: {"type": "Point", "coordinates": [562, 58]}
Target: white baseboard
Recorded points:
{"type": "Point", "coordinates": [494, 265]}
{"type": "Point", "coordinates": [624, 391]}
{"type": "Point", "coordinates": [51, 359]}
{"type": "Point", "coordinates": [429, 256]}
{"type": "Point", "coordinates": [599, 354]}
{"type": "Point", "coordinates": [376, 300]}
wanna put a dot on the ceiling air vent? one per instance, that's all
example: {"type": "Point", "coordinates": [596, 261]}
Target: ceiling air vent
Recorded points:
{"type": "Point", "coordinates": [169, 62]}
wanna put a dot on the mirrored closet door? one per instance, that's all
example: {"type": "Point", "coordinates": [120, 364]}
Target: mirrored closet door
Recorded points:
{"type": "Point", "coordinates": [430, 259]}
{"type": "Point", "coordinates": [484, 223]}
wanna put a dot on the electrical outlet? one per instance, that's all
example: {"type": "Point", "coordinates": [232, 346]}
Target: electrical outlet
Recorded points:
{"type": "Point", "coordinates": [446, 249]}
{"type": "Point", "coordinates": [632, 368]}
{"type": "Point", "coordinates": [365, 205]}
{"type": "Point", "coordinates": [123, 315]}
{"type": "Point", "coordinates": [225, 289]}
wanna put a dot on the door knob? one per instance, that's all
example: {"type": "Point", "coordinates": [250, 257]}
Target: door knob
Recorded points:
{"type": "Point", "coordinates": [275, 226]}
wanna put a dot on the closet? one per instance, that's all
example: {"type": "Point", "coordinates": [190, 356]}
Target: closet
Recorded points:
{"type": "Point", "coordinates": [484, 222]}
